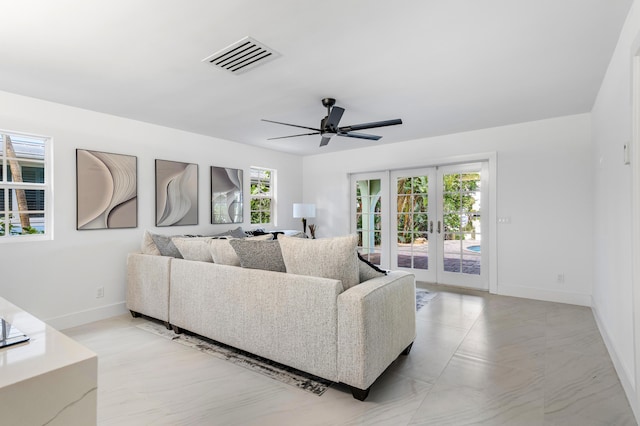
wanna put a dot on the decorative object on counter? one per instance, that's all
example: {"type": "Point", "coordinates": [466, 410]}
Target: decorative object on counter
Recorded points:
{"type": "Point", "coordinates": [226, 195]}
{"type": "Point", "coordinates": [176, 193]}
{"type": "Point", "coordinates": [10, 335]}
{"type": "Point", "coordinates": [312, 230]}
{"type": "Point", "coordinates": [107, 190]}
{"type": "Point", "coordinates": [304, 211]}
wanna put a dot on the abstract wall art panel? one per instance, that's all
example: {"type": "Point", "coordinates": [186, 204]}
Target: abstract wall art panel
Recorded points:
{"type": "Point", "coordinates": [107, 190]}
{"type": "Point", "coordinates": [176, 193]}
{"type": "Point", "coordinates": [226, 195]}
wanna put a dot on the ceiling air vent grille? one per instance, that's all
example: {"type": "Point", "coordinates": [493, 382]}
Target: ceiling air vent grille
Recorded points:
{"type": "Point", "coordinates": [242, 56]}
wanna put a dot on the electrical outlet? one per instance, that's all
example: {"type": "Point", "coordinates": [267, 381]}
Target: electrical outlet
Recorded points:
{"type": "Point", "coordinates": [560, 278]}
{"type": "Point", "coordinates": [99, 292]}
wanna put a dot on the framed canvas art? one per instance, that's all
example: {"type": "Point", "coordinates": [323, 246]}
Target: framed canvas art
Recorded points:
{"type": "Point", "coordinates": [226, 195]}
{"type": "Point", "coordinates": [106, 190]}
{"type": "Point", "coordinates": [176, 193]}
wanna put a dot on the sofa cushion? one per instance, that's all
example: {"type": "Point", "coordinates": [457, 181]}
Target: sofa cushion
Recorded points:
{"type": "Point", "coordinates": [257, 254]}
{"type": "Point", "coordinates": [148, 246]}
{"type": "Point", "coordinates": [196, 248]}
{"type": "Point", "coordinates": [333, 258]}
{"type": "Point", "coordinates": [368, 270]}
{"type": "Point", "coordinates": [222, 252]}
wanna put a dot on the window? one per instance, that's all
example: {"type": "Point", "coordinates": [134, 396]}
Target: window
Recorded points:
{"type": "Point", "coordinates": [262, 195]}
{"type": "Point", "coordinates": [25, 193]}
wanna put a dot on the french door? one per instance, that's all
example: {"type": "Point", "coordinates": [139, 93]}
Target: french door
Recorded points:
{"type": "Point", "coordinates": [427, 221]}
{"type": "Point", "coordinates": [437, 224]}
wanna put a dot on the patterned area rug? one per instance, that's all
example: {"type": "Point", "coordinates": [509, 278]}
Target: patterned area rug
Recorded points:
{"type": "Point", "coordinates": [282, 373]}
{"type": "Point", "coordinates": [423, 297]}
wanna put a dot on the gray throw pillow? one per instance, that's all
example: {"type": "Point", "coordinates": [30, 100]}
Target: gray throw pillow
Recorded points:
{"type": "Point", "coordinates": [259, 254]}
{"type": "Point", "coordinates": [325, 257]}
{"type": "Point", "coordinates": [368, 270]}
{"type": "Point", "coordinates": [234, 233]}
{"type": "Point", "coordinates": [166, 246]}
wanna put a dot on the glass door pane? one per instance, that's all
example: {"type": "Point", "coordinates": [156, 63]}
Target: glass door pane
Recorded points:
{"type": "Point", "coordinates": [460, 258]}
{"type": "Point", "coordinates": [413, 219]}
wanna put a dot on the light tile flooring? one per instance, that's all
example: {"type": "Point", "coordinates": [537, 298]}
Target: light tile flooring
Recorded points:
{"type": "Point", "coordinates": [477, 359]}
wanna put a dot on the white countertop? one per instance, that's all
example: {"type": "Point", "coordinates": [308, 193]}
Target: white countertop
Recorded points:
{"type": "Point", "coordinates": [47, 349]}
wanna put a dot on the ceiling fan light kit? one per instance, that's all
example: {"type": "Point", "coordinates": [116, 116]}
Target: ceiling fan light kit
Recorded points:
{"type": "Point", "coordinates": [329, 125]}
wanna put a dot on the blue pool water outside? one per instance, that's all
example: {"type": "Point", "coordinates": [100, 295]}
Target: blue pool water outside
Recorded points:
{"type": "Point", "coordinates": [475, 249]}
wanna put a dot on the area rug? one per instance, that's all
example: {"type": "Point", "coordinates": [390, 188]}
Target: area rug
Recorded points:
{"type": "Point", "coordinates": [423, 297]}
{"type": "Point", "coordinates": [266, 367]}
{"type": "Point", "coordinates": [282, 373]}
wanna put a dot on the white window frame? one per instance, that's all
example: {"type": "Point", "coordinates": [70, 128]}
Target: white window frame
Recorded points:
{"type": "Point", "coordinates": [271, 196]}
{"type": "Point", "coordinates": [47, 186]}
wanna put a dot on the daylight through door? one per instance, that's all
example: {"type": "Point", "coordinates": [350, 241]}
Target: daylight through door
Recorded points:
{"type": "Point", "coordinates": [434, 218]}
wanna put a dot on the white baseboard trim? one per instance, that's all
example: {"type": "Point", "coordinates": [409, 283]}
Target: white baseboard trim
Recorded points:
{"type": "Point", "coordinates": [546, 295]}
{"type": "Point", "coordinates": [626, 378]}
{"type": "Point", "coordinates": [89, 315]}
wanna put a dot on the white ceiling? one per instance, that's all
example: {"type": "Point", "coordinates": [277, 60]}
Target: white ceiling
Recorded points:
{"type": "Point", "coordinates": [443, 66]}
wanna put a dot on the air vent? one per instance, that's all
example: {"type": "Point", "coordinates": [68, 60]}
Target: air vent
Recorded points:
{"type": "Point", "coordinates": [242, 56]}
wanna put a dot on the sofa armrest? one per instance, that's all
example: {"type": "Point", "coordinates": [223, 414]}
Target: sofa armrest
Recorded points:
{"type": "Point", "coordinates": [148, 285]}
{"type": "Point", "coordinates": [376, 322]}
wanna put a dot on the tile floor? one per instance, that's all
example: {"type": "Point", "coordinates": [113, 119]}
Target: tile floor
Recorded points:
{"type": "Point", "coordinates": [478, 359]}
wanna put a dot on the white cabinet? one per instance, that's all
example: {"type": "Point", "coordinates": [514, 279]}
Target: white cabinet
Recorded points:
{"type": "Point", "coordinates": [49, 380]}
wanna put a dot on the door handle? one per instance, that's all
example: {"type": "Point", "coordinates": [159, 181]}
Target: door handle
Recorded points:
{"type": "Point", "coordinates": [431, 227]}
{"type": "Point", "coordinates": [439, 227]}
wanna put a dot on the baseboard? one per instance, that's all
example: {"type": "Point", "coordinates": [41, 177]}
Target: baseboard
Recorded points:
{"type": "Point", "coordinates": [626, 378]}
{"type": "Point", "coordinates": [89, 315]}
{"type": "Point", "coordinates": [546, 295]}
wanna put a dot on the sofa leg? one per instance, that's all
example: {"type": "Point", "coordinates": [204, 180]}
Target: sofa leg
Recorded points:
{"type": "Point", "coordinates": [135, 314]}
{"type": "Point", "coordinates": [407, 350]}
{"type": "Point", "coordinates": [176, 329]}
{"type": "Point", "coordinates": [167, 325]}
{"type": "Point", "coordinates": [360, 394]}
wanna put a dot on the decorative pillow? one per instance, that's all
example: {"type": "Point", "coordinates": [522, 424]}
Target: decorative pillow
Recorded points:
{"type": "Point", "coordinates": [264, 237]}
{"type": "Point", "coordinates": [148, 246]}
{"type": "Point", "coordinates": [325, 257]}
{"type": "Point", "coordinates": [259, 254]}
{"type": "Point", "coordinates": [235, 233]}
{"type": "Point", "coordinates": [194, 248]}
{"type": "Point", "coordinates": [165, 245]}
{"type": "Point", "coordinates": [222, 252]}
{"type": "Point", "coordinates": [368, 270]}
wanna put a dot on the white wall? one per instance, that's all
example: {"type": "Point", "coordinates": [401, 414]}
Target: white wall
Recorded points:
{"type": "Point", "coordinates": [612, 128]}
{"type": "Point", "coordinates": [544, 184]}
{"type": "Point", "coordinates": [57, 280]}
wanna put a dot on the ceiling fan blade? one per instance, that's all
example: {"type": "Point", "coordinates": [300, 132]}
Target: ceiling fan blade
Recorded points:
{"type": "Point", "coordinates": [360, 136]}
{"type": "Point", "coordinates": [294, 136]}
{"type": "Point", "coordinates": [334, 117]}
{"type": "Point", "coordinates": [292, 125]}
{"type": "Point", "coordinates": [363, 126]}
{"type": "Point", "coordinates": [325, 140]}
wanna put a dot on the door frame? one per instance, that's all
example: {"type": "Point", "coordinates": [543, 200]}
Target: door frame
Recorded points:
{"type": "Point", "coordinates": [384, 189]}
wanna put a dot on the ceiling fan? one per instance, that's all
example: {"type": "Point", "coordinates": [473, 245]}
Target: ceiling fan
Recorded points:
{"type": "Point", "coordinates": [329, 125]}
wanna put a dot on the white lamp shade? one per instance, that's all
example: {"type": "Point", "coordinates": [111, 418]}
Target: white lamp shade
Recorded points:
{"type": "Point", "coordinates": [304, 210]}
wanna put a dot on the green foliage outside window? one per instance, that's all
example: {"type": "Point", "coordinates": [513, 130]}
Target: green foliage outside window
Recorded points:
{"type": "Point", "coordinates": [261, 196]}
{"type": "Point", "coordinates": [459, 199]}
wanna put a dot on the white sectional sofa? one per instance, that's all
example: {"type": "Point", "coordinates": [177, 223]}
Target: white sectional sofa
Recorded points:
{"type": "Point", "coordinates": [337, 329]}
